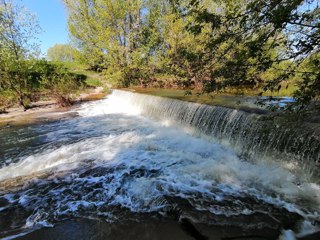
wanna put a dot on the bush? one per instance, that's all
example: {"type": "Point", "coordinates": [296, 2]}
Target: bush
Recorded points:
{"type": "Point", "coordinates": [63, 85]}
{"type": "Point", "coordinates": [6, 100]}
{"type": "Point", "coordinates": [25, 81]}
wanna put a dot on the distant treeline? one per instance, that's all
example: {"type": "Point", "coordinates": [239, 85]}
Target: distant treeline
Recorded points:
{"type": "Point", "coordinates": [207, 45]}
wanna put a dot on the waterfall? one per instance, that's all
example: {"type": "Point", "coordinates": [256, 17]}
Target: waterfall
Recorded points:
{"type": "Point", "coordinates": [253, 136]}
{"type": "Point", "coordinates": [140, 157]}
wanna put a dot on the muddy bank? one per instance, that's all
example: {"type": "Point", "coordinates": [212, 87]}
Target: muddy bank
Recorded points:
{"type": "Point", "coordinates": [45, 111]}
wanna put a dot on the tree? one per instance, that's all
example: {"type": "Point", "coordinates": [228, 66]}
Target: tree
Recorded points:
{"type": "Point", "coordinates": [23, 76]}
{"type": "Point", "coordinates": [62, 53]}
{"type": "Point", "coordinates": [58, 82]}
{"type": "Point", "coordinates": [17, 44]}
{"type": "Point", "coordinates": [251, 37]}
{"type": "Point", "coordinates": [208, 45]}
{"type": "Point", "coordinates": [114, 37]}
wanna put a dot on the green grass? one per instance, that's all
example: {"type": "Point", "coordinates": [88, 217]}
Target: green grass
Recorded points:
{"type": "Point", "coordinates": [284, 92]}
{"type": "Point", "coordinates": [94, 82]}
{"type": "Point", "coordinates": [94, 79]}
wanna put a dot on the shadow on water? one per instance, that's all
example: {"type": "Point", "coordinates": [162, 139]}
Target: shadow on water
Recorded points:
{"type": "Point", "coordinates": [96, 169]}
{"type": "Point", "coordinates": [158, 230]}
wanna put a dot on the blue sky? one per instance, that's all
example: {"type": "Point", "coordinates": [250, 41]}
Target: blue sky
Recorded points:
{"type": "Point", "coordinates": [52, 18]}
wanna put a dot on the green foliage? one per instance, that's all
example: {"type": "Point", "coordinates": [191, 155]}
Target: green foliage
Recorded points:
{"type": "Point", "coordinates": [93, 79]}
{"type": "Point", "coordinates": [93, 82]}
{"type": "Point", "coordinates": [261, 43]}
{"type": "Point", "coordinates": [62, 53]}
{"type": "Point", "coordinates": [309, 82]}
{"type": "Point", "coordinates": [23, 77]}
{"type": "Point", "coordinates": [115, 36]}
{"type": "Point", "coordinates": [61, 84]}
{"type": "Point", "coordinates": [27, 80]}
{"type": "Point", "coordinates": [206, 45]}
{"type": "Point", "coordinates": [6, 100]}
{"type": "Point", "coordinates": [18, 28]}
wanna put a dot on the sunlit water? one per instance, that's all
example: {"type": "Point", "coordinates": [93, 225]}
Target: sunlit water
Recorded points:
{"type": "Point", "coordinates": [112, 163]}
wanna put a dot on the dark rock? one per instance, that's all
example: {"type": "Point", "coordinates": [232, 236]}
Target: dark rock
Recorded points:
{"type": "Point", "coordinates": [191, 230]}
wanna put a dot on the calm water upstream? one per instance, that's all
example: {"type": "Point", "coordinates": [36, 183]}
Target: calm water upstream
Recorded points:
{"type": "Point", "coordinates": [114, 169]}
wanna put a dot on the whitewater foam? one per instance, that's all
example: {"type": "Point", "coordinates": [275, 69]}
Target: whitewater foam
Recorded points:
{"type": "Point", "coordinates": [111, 156]}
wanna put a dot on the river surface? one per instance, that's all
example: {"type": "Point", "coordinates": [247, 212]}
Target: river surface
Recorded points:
{"type": "Point", "coordinates": [111, 169]}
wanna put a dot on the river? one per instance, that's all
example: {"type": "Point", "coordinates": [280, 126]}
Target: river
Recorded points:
{"type": "Point", "coordinates": [117, 167]}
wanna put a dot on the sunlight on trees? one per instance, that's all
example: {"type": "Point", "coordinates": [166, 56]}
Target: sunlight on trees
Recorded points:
{"type": "Point", "coordinates": [207, 46]}
{"type": "Point", "coordinates": [204, 45]}
{"type": "Point", "coordinates": [23, 77]}
{"type": "Point", "coordinates": [62, 53]}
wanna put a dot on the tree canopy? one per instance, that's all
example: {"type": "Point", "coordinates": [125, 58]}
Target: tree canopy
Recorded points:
{"type": "Point", "coordinates": [23, 76]}
{"type": "Point", "coordinates": [62, 53]}
{"type": "Point", "coordinates": [206, 45]}
{"type": "Point", "coordinates": [277, 36]}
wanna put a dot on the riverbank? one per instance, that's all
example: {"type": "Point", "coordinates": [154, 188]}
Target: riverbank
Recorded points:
{"type": "Point", "coordinates": [44, 111]}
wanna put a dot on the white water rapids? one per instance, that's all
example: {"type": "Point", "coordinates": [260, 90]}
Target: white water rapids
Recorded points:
{"type": "Point", "coordinates": [112, 157]}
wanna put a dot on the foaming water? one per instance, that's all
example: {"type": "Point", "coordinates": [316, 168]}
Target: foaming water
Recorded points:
{"type": "Point", "coordinates": [251, 135]}
{"type": "Point", "coordinates": [113, 163]}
